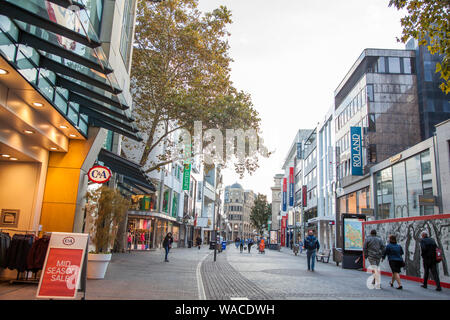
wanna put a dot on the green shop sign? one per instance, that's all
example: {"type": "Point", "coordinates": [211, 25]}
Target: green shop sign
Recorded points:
{"type": "Point", "coordinates": [186, 176]}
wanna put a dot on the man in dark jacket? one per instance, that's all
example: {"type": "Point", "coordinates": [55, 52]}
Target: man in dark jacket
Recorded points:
{"type": "Point", "coordinates": [428, 247]}
{"type": "Point", "coordinates": [311, 245]}
{"type": "Point", "coordinates": [373, 249]}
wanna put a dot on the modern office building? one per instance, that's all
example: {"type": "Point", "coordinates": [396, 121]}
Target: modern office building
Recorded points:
{"type": "Point", "coordinates": [379, 96]}
{"type": "Point", "coordinates": [434, 104]}
{"type": "Point", "coordinates": [326, 173]}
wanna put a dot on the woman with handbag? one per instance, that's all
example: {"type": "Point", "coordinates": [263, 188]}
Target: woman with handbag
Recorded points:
{"type": "Point", "coordinates": [394, 252]}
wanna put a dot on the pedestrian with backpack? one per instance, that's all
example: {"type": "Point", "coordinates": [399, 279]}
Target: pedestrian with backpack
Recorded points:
{"type": "Point", "coordinates": [311, 244]}
{"type": "Point", "coordinates": [431, 257]}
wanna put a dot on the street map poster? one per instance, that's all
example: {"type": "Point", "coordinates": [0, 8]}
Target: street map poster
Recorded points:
{"type": "Point", "coordinates": [353, 235]}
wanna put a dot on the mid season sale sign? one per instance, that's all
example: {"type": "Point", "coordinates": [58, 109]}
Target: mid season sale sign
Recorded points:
{"type": "Point", "coordinates": [63, 264]}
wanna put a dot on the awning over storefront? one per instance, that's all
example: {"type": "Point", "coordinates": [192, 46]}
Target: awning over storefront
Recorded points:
{"type": "Point", "coordinates": [60, 55]}
{"type": "Point", "coordinates": [132, 172]}
{"type": "Point", "coordinates": [151, 214]}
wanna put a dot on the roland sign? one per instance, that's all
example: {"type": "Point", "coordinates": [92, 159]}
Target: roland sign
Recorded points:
{"type": "Point", "coordinates": [356, 152]}
{"type": "Point", "coordinates": [99, 174]}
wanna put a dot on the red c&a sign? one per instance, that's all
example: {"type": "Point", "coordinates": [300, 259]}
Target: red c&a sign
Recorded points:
{"type": "Point", "coordinates": [99, 174]}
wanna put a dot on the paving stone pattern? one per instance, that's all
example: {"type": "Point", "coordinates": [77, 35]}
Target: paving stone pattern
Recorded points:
{"type": "Point", "coordinates": [222, 282]}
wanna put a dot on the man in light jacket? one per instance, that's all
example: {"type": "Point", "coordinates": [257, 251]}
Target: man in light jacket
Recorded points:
{"type": "Point", "coordinates": [373, 251]}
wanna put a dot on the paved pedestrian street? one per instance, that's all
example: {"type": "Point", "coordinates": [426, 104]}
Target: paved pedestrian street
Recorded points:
{"type": "Point", "coordinates": [192, 274]}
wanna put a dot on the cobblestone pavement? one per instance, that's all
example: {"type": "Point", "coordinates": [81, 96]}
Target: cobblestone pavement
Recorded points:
{"type": "Point", "coordinates": [282, 275]}
{"type": "Point", "coordinates": [222, 282]}
{"type": "Point", "coordinates": [192, 274]}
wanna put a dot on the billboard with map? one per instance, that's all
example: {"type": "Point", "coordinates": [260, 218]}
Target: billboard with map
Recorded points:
{"type": "Point", "coordinates": [353, 234]}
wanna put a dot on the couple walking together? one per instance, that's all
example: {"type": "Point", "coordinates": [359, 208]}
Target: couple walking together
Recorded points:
{"type": "Point", "coordinates": [375, 251]}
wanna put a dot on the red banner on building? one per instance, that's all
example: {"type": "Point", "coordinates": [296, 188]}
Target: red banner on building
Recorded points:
{"type": "Point", "coordinates": [283, 230]}
{"type": "Point", "coordinates": [304, 195]}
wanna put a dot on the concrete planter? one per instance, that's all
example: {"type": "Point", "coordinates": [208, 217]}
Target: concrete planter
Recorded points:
{"type": "Point", "coordinates": [97, 265]}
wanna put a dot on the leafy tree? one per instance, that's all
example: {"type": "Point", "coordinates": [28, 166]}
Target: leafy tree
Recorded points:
{"type": "Point", "coordinates": [428, 22]}
{"type": "Point", "coordinates": [181, 74]}
{"type": "Point", "coordinates": [261, 212]}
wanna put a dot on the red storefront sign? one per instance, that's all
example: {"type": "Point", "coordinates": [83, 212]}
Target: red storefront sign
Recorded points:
{"type": "Point", "coordinates": [63, 264]}
{"type": "Point", "coordinates": [283, 230]}
{"type": "Point", "coordinates": [304, 196]}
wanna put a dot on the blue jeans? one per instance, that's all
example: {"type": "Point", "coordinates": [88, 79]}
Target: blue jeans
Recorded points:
{"type": "Point", "coordinates": [167, 251]}
{"type": "Point", "coordinates": [311, 254]}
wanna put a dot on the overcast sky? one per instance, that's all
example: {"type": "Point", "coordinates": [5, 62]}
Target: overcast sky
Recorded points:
{"type": "Point", "coordinates": [291, 55]}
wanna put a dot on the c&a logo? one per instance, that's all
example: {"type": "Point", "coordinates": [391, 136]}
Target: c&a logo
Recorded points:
{"type": "Point", "coordinates": [68, 241]}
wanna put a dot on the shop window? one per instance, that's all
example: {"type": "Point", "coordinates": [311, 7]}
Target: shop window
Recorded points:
{"type": "Point", "coordinates": [427, 182]}
{"type": "Point", "coordinates": [175, 204]}
{"type": "Point", "coordinates": [352, 203]}
{"type": "Point", "coordinates": [400, 194]}
{"type": "Point", "coordinates": [166, 201]}
{"type": "Point", "coordinates": [414, 184]}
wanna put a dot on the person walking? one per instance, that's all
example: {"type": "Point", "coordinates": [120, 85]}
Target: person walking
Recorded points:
{"type": "Point", "coordinates": [373, 249]}
{"type": "Point", "coordinates": [394, 252]}
{"type": "Point", "coordinates": [241, 245]}
{"type": "Point", "coordinates": [237, 242]}
{"type": "Point", "coordinates": [311, 245]}
{"type": "Point", "coordinates": [129, 241]}
{"type": "Point", "coordinates": [199, 242]}
{"type": "Point", "coordinates": [167, 244]}
{"type": "Point", "coordinates": [250, 244]}
{"type": "Point", "coordinates": [428, 248]}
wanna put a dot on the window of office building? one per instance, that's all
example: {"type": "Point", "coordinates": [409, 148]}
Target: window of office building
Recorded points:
{"type": "Point", "coordinates": [381, 65]}
{"type": "Point", "coordinates": [126, 35]}
{"type": "Point", "coordinates": [407, 68]}
{"type": "Point", "coordinates": [370, 96]}
{"type": "Point", "coordinates": [394, 64]}
{"type": "Point", "coordinates": [95, 11]}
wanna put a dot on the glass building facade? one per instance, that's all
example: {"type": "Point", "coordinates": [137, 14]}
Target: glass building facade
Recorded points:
{"type": "Point", "coordinates": [398, 188]}
{"type": "Point", "coordinates": [59, 53]}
